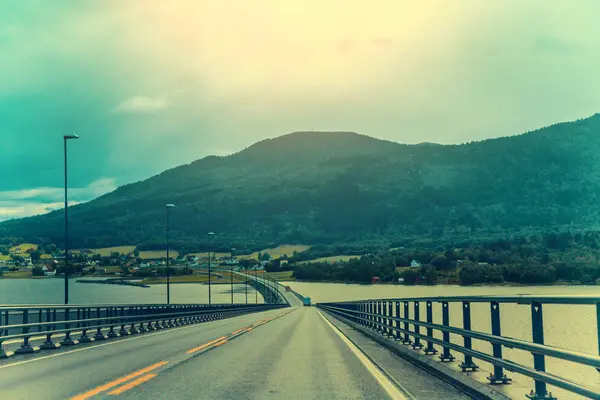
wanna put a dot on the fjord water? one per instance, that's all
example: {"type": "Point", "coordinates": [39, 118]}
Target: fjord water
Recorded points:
{"type": "Point", "coordinates": [51, 291]}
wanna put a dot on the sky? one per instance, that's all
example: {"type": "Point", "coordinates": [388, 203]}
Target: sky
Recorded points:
{"type": "Point", "coordinates": [149, 85]}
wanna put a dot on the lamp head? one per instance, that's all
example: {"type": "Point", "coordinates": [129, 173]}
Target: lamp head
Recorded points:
{"type": "Point", "coordinates": [71, 136]}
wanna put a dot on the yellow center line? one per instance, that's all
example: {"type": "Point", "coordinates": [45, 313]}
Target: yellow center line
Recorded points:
{"type": "Point", "coordinates": [132, 384]}
{"type": "Point", "coordinates": [196, 349]}
{"type": "Point", "coordinates": [117, 382]}
{"type": "Point", "coordinates": [220, 343]}
{"type": "Point", "coordinates": [239, 330]}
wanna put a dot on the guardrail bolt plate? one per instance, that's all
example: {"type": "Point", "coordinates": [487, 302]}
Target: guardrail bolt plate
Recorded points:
{"type": "Point", "coordinates": [534, 396]}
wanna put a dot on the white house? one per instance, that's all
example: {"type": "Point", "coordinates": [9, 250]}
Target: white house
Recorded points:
{"type": "Point", "coordinates": [415, 264]}
{"type": "Point", "coordinates": [49, 270]}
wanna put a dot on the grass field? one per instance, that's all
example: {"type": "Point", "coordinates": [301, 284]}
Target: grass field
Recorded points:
{"type": "Point", "coordinates": [282, 275]}
{"type": "Point", "coordinates": [204, 256]}
{"type": "Point", "coordinates": [46, 256]}
{"type": "Point", "coordinates": [154, 254]}
{"type": "Point", "coordinates": [225, 278]}
{"type": "Point", "coordinates": [17, 275]}
{"type": "Point", "coordinates": [107, 251]}
{"type": "Point", "coordinates": [331, 259]}
{"type": "Point", "coordinates": [23, 247]}
{"type": "Point", "coordinates": [4, 258]}
{"type": "Point", "coordinates": [277, 252]}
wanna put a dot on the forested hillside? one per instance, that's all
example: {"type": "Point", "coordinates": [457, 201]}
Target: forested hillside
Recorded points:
{"type": "Point", "coordinates": [334, 187]}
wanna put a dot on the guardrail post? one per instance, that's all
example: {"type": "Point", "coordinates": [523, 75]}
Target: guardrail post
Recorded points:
{"type": "Point", "coordinates": [123, 331]}
{"type": "Point", "coordinates": [446, 355]}
{"type": "Point", "coordinates": [67, 341]}
{"type": "Point", "coordinates": [48, 343]}
{"type": "Point", "coordinates": [4, 353]}
{"type": "Point", "coordinates": [417, 329]}
{"type": "Point", "coordinates": [378, 311]}
{"type": "Point", "coordinates": [430, 349]}
{"type": "Point", "coordinates": [112, 313]}
{"type": "Point", "coordinates": [598, 327]}
{"type": "Point", "coordinates": [406, 339]}
{"type": "Point", "coordinates": [132, 311]}
{"type": "Point", "coordinates": [84, 336]}
{"type": "Point", "coordinates": [498, 376]}
{"type": "Point", "coordinates": [397, 336]}
{"type": "Point", "coordinates": [371, 312]}
{"type": "Point", "coordinates": [26, 347]}
{"type": "Point", "coordinates": [386, 320]}
{"type": "Point", "coordinates": [99, 335]}
{"type": "Point", "coordinates": [468, 362]}
{"type": "Point", "coordinates": [539, 360]}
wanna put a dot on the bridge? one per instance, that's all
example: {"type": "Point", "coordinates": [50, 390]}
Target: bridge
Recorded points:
{"type": "Point", "coordinates": [424, 348]}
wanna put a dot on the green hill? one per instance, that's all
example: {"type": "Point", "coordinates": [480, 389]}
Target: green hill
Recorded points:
{"type": "Point", "coordinates": [329, 187]}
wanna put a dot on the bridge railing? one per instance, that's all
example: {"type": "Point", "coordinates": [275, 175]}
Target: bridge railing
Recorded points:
{"type": "Point", "coordinates": [22, 322]}
{"type": "Point", "coordinates": [392, 317]}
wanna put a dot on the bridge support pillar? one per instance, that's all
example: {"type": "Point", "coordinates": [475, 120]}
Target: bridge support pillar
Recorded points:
{"type": "Point", "coordinates": [539, 360]}
{"type": "Point", "coordinates": [498, 376]}
{"type": "Point", "coordinates": [406, 339]}
{"type": "Point", "coordinates": [446, 356]}
{"type": "Point", "coordinates": [417, 341]}
{"type": "Point", "coordinates": [430, 349]}
{"type": "Point", "coordinates": [468, 363]}
{"type": "Point", "coordinates": [398, 335]}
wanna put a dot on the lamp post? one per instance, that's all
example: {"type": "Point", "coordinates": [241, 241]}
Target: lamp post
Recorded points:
{"type": "Point", "coordinates": [231, 272]}
{"type": "Point", "coordinates": [246, 276]}
{"type": "Point", "coordinates": [65, 138]}
{"type": "Point", "coordinates": [256, 286]}
{"type": "Point", "coordinates": [210, 236]}
{"type": "Point", "coordinates": [168, 261]}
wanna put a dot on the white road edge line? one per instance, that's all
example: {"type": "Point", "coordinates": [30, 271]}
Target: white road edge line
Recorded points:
{"type": "Point", "coordinates": [383, 380]}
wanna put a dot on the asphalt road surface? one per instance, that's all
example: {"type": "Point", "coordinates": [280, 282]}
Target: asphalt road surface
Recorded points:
{"type": "Point", "coordinates": [291, 353]}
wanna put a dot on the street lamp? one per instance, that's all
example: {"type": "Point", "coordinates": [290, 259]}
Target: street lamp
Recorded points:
{"type": "Point", "coordinates": [65, 138]}
{"type": "Point", "coordinates": [210, 236]}
{"type": "Point", "coordinates": [168, 270]}
{"type": "Point", "coordinates": [256, 286]}
{"type": "Point", "coordinates": [231, 273]}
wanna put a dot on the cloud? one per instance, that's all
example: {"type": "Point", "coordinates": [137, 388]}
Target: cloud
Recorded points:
{"type": "Point", "coordinates": [28, 202]}
{"type": "Point", "coordinates": [142, 105]}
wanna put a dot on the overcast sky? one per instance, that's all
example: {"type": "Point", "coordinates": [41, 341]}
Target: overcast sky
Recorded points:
{"type": "Point", "coordinates": [152, 84]}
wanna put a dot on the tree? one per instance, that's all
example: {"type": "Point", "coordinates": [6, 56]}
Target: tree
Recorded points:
{"type": "Point", "coordinates": [37, 271]}
{"type": "Point", "coordinates": [430, 274]}
{"type": "Point", "coordinates": [35, 256]}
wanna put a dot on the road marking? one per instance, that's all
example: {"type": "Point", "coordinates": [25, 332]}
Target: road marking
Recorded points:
{"type": "Point", "coordinates": [119, 381]}
{"type": "Point", "coordinates": [196, 349]}
{"type": "Point", "coordinates": [222, 342]}
{"type": "Point", "coordinates": [131, 385]}
{"type": "Point", "coordinates": [384, 381]}
{"type": "Point", "coordinates": [239, 330]}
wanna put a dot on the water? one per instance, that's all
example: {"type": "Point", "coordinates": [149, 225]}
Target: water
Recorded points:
{"type": "Point", "coordinates": [566, 326]}
{"type": "Point", "coordinates": [51, 291]}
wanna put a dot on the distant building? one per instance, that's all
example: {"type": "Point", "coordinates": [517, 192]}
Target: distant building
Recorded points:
{"type": "Point", "coordinates": [375, 279]}
{"type": "Point", "coordinates": [50, 268]}
{"type": "Point", "coordinates": [415, 264]}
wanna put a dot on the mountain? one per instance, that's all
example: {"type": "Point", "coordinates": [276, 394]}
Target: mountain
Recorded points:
{"type": "Point", "coordinates": [328, 187]}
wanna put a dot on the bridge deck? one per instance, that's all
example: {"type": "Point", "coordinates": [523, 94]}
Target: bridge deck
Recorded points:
{"type": "Point", "coordinates": [295, 355]}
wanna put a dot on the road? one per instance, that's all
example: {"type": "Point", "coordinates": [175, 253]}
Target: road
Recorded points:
{"type": "Point", "coordinates": [280, 354]}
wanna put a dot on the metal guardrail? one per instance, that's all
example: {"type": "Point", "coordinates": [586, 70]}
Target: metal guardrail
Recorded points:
{"type": "Point", "coordinates": [387, 317]}
{"type": "Point", "coordinates": [108, 321]}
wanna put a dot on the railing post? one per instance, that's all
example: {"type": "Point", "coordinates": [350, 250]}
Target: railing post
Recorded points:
{"type": "Point", "coordinates": [597, 327]}
{"type": "Point", "coordinates": [4, 353]}
{"type": "Point", "coordinates": [379, 329]}
{"type": "Point", "coordinates": [86, 316]}
{"type": "Point", "coordinates": [468, 362]}
{"type": "Point", "coordinates": [417, 329]}
{"type": "Point", "coordinates": [498, 376]}
{"type": "Point", "coordinates": [67, 341]}
{"type": "Point", "coordinates": [446, 355]}
{"type": "Point", "coordinates": [406, 339]}
{"type": "Point", "coordinates": [123, 331]}
{"type": "Point", "coordinates": [112, 313]}
{"type": "Point", "coordinates": [398, 336]}
{"type": "Point", "coordinates": [99, 335]}
{"type": "Point", "coordinates": [539, 360]}
{"type": "Point", "coordinates": [430, 349]}
{"type": "Point", "coordinates": [48, 343]}
{"type": "Point", "coordinates": [26, 347]}
{"type": "Point", "coordinates": [371, 317]}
